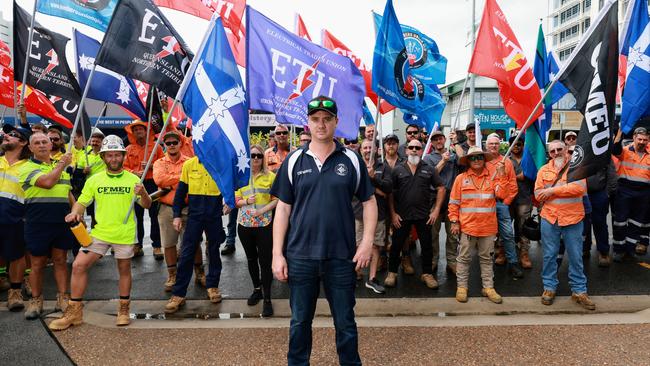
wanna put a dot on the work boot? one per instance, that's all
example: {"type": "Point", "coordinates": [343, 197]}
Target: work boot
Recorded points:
{"type": "Point", "coordinates": [500, 256]}
{"type": "Point", "coordinates": [228, 249]}
{"type": "Point", "coordinates": [390, 279]}
{"type": "Point", "coordinates": [461, 294]}
{"type": "Point", "coordinates": [27, 285]}
{"type": "Point", "coordinates": [137, 251]}
{"type": "Point", "coordinates": [451, 268]}
{"type": "Point", "coordinates": [73, 315]}
{"type": "Point", "coordinates": [492, 295]}
{"type": "Point", "coordinates": [34, 308]}
{"type": "Point", "coordinates": [123, 317]}
{"type": "Point", "coordinates": [604, 260]}
{"type": "Point", "coordinates": [641, 249]}
{"type": "Point", "coordinates": [158, 254]}
{"type": "Point", "coordinates": [515, 270]}
{"type": "Point", "coordinates": [214, 295]}
{"type": "Point", "coordinates": [171, 279]}
{"type": "Point", "coordinates": [267, 309]}
{"type": "Point", "coordinates": [61, 301]}
{"type": "Point", "coordinates": [255, 297]}
{"type": "Point", "coordinates": [548, 297]}
{"type": "Point", "coordinates": [407, 265]}
{"type": "Point", "coordinates": [524, 259]}
{"type": "Point", "coordinates": [174, 304]}
{"type": "Point", "coordinates": [429, 280]}
{"type": "Point", "coordinates": [583, 300]}
{"type": "Point", "coordinates": [15, 300]}
{"type": "Point", "coordinates": [199, 275]}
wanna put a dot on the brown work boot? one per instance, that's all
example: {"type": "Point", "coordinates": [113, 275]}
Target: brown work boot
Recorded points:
{"type": "Point", "coordinates": [27, 285]}
{"type": "Point", "coordinates": [604, 260]}
{"type": "Point", "coordinates": [15, 300]}
{"type": "Point", "coordinates": [583, 300]}
{"type": "Point", "coordinates": [492, 295]}
{"type": "Point", "coordinates": [123, 317]}
{"type": "Point", "coordinates": [158, 254]}
{"type": "Point", "coordinates": [390, 279]}
{"type": "Point", "coordinates": [171, 279]}
{"type": "Point", "coordinates": [174, 304]}
{"type": "Point", "coordinates": [34, 308]}
{"type": "Point", "coordinates": [429, 280]}
{"type": "Point", "coordinates": [199, 275]}
{"type": "Point", "coordinates": [61, 301]}
{"type": "Point", "coordinates": [137, 251]}
{"type": "Point", "coordinates": [451, 268]}
{"type": "Point", "coordinates": [461, 294]}
{"type": "Point", "coordinates": [524, 259]}
{"type": "Point", "coordinates": [214, 295]}
{"type": "Point", "coordinates": [548, 297]}
{"type": "Point", "coordinates": [500, 256]}
{"type": "Point", "coordinates": [73, 315]}
{"type": "Point", "coordinates": [407, 265]}
{"type": "Point", "coordinates": [641, 249]}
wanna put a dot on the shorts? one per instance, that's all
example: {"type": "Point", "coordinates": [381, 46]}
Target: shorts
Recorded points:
{"type": "Point", "coordinates": [380, 232]}
{"type": "Point", "coordinates": [41, 238]}
{"type": "Point", "coordinates": [12, 241]}
{"type": "Point", "coordinates": [122, 251]}
{"type": "Point", "coordinates": [169, 237]}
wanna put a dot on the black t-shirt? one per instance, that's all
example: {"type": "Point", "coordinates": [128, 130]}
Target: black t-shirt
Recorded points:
{"type": "Point", "coordinates": [413, 193]}
{"type": "Point", "coordinates": [384, 183]}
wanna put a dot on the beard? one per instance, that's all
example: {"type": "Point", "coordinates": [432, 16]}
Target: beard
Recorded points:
{"type": "Point", "coordinates": [413, 159]}
{"type": "Point", "coordinates": [7, 146]}
{"type": "Point", "coordinates": [559, 162]}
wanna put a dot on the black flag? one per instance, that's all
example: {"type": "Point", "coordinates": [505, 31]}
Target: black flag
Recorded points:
{"type": "Point", "coordinates": [141, 43]}
{"type": "Point", "coordinates": [153, 103]}
{"type": "Point", "coordinates": [48, 69]}
{"type": "Point", "coordinates": [591, 74]}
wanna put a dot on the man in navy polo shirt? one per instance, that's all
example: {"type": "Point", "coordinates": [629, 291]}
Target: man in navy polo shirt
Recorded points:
{"type": "Point", "coordinates": [315, 186]}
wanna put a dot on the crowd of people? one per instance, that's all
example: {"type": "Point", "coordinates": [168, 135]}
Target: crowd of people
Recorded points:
{"type": "Point", "coordinates": [387, 193]}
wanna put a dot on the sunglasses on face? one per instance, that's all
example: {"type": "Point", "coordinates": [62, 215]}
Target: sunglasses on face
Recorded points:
{"type": "Point", "coordinates": [257, 156]}
{"type": "Point", "coordinates": [476, 158]}
{"type": "Point", "coordinates": [318, 103]}
{"type": "Point", "coordinates": [570, 138]}
{"type": "Point", "coordinates": [15, 135]}
{"type": "Point", "coordinates": [412, 133]}
{"type": "Point", "coordinates": [350, 142]}
{"type": "Point", "coordinates": [415, 148]}
{"type": "Point", "coordinates": [171, 143]}
{"type": "Point", "coordinates": [556, 151]}
{"type": "Point", "coordinates": [55, 139]}
{"type": "Point", "coordinates": [282, 133]}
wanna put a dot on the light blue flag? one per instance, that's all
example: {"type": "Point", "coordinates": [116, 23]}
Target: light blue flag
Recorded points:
{"type": "Point", "coordinates": [426, 62]}
{"type": "Point", "coordinates": [391, 78]}
{"type": "Point", "coordinates": [367, 115]}
{"type": "Point", "coordinates": [636, 94]}
{"type": "Point", "coordinates": [93, 13]}
{"type": "Point", "coordinates": [215, 100]}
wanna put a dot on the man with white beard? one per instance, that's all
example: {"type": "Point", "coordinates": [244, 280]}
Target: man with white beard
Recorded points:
{"type": "Point", "coordinates": [562, 212]}
{"type": "Point", "coordinates": [410, 205]}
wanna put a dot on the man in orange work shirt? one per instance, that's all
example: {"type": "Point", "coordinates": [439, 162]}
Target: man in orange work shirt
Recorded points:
{"type": "Point", "coordinates": [561, 214]}
{"type": "Point", "coordinates": [135, 162]}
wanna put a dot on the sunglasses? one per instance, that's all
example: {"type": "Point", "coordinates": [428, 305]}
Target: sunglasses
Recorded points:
{"type": "Point", "coordinates": [556, 151]}
{"type": "Point", "coordinates": [171, 143]}
{"type": "Point", "coordinates": [318, 103]}
{"type": "Point", "coordinates": [15, 134]}
{"type": "Point", "coordinates": [570, 138]}
{"type": "Point", "coordinates": [415, 148]}
{"type": "Point", "coordinates": [55, 139]}
{"type": "Point", "coordinates": [350, 142]}
{"type": "Point", "coordinates": [476, 158]}
{"type": "Point", "coordinates": [257, 156]}
{"type": "Point", "coordinates": [282, 133]}
{"type": "Point", "coordinates": [412, 133]}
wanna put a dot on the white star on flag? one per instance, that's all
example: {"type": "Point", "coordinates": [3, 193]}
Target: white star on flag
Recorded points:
{"type": "Point", "coordinates": [85, 62]}
{"type": "Point", "coordinates": [242, 161]}
{"type": "Point", "coordinates": [636, 56]}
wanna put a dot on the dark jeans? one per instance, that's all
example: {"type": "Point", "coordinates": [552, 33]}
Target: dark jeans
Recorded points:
{"type": "Point", "coordinates": [628, 216]}
{"type": "Point", "coordinates": [598, 221]}
{"type": "Point", "coordinates": [232, 227]}
{"type": "Point", "coordinates": [426, 248]}
{"type": "Point", "coordinates": [339, 280]}
{"type": "Point", "coordinates": [258, 245]}
{"type": "Point", "coordinates": [153, 215]}
{"type": "Point", "coordinates": [192, 238]}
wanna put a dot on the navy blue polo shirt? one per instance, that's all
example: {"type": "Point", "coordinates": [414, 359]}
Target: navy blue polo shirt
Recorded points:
{"type": "Point", "coordinates": [321, 225]}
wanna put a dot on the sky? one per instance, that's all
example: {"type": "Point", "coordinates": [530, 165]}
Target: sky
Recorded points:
{"type": "Point", "coordinates": [446, 21]}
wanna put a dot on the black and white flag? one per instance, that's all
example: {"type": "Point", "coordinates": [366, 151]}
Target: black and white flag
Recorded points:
{"type": "Point", "coordinates": [591, 75]}
{"type": "Point", "coordinates": [141, 43]}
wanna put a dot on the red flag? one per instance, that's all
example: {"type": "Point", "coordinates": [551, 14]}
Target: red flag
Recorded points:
{"type": "Point", "coordinates": [301, 29]}
{"type": "Point", "coordinates": [192, 7]}
{"type": "Point", "coordinates": [499, 56]}
{"type": "Point", "coordinates": [333, 44]}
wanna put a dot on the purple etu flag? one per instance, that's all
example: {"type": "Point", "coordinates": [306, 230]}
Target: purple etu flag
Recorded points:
{"type": "Point", "coordinates": [285, 72]}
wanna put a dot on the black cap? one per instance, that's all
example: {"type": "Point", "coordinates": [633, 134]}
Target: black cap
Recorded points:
{"type": "Point", "coordinates": [24, 132]}
{"type": "Point", "coordinates": [318, 104]}
{"type": "Point", "coordinates": [392, 136]}
{"type": "Point", "coordinates": [470, 126]}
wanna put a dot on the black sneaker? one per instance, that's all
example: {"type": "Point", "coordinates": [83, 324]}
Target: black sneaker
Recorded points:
{"type": "Point", "coordinates": [228, 249]}
{"type": "Point", "coordinates": [515, 270]}
{"type": "Point", "coordinates": [375, 286]}
{"type": "Point", "coordinates": [267, 309]}
{"type": "Point", "coordinates": [255, 297]}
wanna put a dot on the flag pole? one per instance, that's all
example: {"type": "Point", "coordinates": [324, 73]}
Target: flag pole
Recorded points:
{"type": "Point", "coordinates": [374, 133]}
{"type": "Point", "coordinates": [146, 143]}
{"type": "Point", "coordinates": [81, 107]}
{"type": "Point", "coordinates": [91, 131]}
{"type": "Point", "coordinates": [454, 126]}
{"type": "Point", "coordinates": [29, 51]}
{"type": "Point", "coordinates": [4, 110]}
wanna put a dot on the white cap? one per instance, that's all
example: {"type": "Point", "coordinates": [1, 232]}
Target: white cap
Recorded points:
{"type": "Point", "coordinates": [112, 143]}
{"type": "Point", "coordinates": [97, 131]}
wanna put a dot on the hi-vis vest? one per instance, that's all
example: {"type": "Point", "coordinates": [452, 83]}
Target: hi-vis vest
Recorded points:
{"type": "Point", "coordinates": [12, 196]}
{"type": "Point", "coordinates": [565, 205]}
{"type": "Point", "coordinates": [633, 167]}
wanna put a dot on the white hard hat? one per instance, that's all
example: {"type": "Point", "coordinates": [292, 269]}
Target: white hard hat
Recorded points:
{"type": "Point", "coordinates": [112, 143]}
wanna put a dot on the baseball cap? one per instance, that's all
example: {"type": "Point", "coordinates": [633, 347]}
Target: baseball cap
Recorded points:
{"type": "Point", "coordinates": [470, 126]}
{"type": "Point", "coordinates": [571, 133]}
{"type": "Point", "coordinates": [436, 133]}
{"type": "Point", "coordinates": [322, 103]}
{"type": "Point", "coordinates": [24, 132]}
{"type": "Point", "coordinates": [392, 137]}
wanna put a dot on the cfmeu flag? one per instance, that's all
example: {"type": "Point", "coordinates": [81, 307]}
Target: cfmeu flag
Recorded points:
{"type": "Point", "coordinates": [498, 56]}
{"type": "Point", "coordinates": [285, 72]}
{"type": "Point", "coordinates": [214, 99]}
{"type": "Point", "coordinates": [635, 45]}
{"type": "Point", "coordinates": [93, 13]}
{"type": "Point", "coordinates": [591, 75]}
{"type": "Point", "coordinates": [107, 85]}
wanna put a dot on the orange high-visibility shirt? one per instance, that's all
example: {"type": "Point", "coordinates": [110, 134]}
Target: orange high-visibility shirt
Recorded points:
{"type": "Point", "coordinates": [565, 205]}
{"type": "Point", "coordinates": [511, 177]}
{"type": "Point", "coordinates": [166, 174]}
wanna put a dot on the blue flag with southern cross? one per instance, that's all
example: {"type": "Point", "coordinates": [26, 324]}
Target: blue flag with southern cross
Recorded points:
{"type": "Point", "coordinates": [214, 99]}
{"type": "Point", "coordinates": [96, 13]}
{"type": "Point", "coordinates": [107, 85]}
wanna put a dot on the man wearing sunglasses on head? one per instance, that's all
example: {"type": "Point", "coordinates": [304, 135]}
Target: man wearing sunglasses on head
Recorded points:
{"type": "Point", "coordinates": [315, 187]}
{"type": "Point", "coordinates": [412, 133]}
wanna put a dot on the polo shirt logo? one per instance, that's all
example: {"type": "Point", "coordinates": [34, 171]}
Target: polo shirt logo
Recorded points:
{"type": "Point", "coordinates": [306, 171]}
{"type": "Point", "coordinates": [341, 169]}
